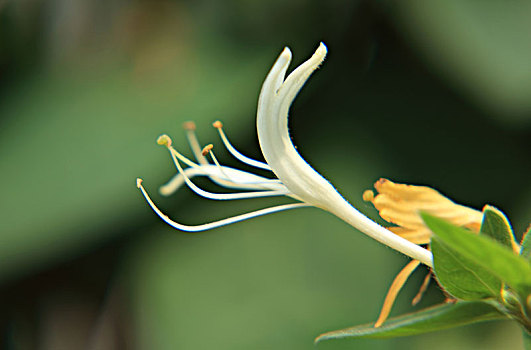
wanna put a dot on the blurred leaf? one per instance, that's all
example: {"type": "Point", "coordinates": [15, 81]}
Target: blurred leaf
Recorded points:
{"type": "Point", "coordinates": [525, 249]}
{"type": "Point", "coordinates": [527, 339]}
{"type": "Point", "coordinates": [481, 46]}
{"type": "Point", "coordinates": [272, 281]}
{"type": "Point", "coordinates": [460, 276]}
{"type": "Point", "coordinates": [490, 255]}
{"type": "Point", "coordinates": [73, 142]}
{"type": "Point", "coordinates": [428, 320]}
{"type": "Point", "coordinates": [496, 226]}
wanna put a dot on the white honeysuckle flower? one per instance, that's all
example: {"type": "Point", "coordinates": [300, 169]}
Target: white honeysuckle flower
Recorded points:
{"type": "Point", "coordinates": [295, 177]}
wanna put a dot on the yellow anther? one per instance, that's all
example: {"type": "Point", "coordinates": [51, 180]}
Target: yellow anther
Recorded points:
{"type": "Point", "coordinates": [189, 125]}
{"type": "Point", "coordinates": [368, 196]}
{"type": "Point", "coordinates": [164, 140]}
{"type": "Point", "coordinates": [207, 149]}
{"type": "Point", "coordinates": [138, 182]}
{"type": "Point", "coordinates": [217, 124]}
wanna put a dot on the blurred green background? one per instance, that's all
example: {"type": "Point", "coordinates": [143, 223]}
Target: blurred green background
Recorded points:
{"type": "Point", "coordinates": [422, 92]}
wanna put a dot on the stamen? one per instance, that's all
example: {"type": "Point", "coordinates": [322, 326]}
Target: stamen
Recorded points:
{"type": "Point", "coordinates": [177, 181]}
{"type": "Point", "coordinates": [228, 182]}
{"type": "Point", "coordinates": [194, 144]}
{"type": "Point", "coordinates": [189, 127]}
{"type": "Point", "coordinates": [219, 223]}
{"type": "Point", "coordinates": [236, 179]}
{"type": "Point", "coordinates": [223, 196]}
{"type": "Point", "coordinates": [165, 140]}
{"type": "Point", "coordinates": [422, 289]}
{"type": "Point", "coordinates": [368, 196]}
{"type": "Point", "coordinates": [200, 156]}
{"type": "Point", "coordinates": [218, 125]}
{"type": "Point", "coordinates": [397, 284]}
{"type": "Point", "coordinates": [250, 185]}
{"type": "Point", "coordinates": [207, 149]}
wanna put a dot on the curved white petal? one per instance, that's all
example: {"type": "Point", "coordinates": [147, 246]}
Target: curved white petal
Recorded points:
{"type": "Point", "coordinates": [299, 177]}
{"type": "Point", "coordinates": [272, 125]}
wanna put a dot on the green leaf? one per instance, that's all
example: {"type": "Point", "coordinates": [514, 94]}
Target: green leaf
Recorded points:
{"type": "Point", "coordinates": [496, 226]}
{"type": "Point", "coordinates": [525, 249]}
{"type": "Point", "coordinates": [428, 320]}
{"type": "Point", "coordinates": [460, 276]}
{"type": "Point", "coordinates": [489, 254]}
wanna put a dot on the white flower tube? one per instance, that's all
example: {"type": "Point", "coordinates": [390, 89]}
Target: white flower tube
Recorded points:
{"type": "Point", "coordinates": [293, 171]}
{"type": "Point", "coordinates": [296, 178]}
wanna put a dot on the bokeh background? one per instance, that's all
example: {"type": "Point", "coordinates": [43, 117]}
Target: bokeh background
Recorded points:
{"type": "Point", "coordinates": [421, 92]}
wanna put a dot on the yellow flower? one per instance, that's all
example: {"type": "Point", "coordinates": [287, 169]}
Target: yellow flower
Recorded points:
{"type": "Point", "coordinates": [400, 204]}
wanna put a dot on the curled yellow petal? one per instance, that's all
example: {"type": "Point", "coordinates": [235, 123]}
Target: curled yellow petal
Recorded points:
{"type": "Point", "coordinates": [417, 235]}
{"type": "Point", "coordinates": [400, 204]}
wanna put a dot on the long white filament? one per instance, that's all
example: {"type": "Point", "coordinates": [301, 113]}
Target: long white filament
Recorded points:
{"type": "Point", "coordinates": [221, 196]}
{"type": "Point", "coordinates": [202, 160]}
{"type": "Point", "coordinates": [253, 184]}
{"type": "Point", "coordinates": [196, 150]}
{"type": "Point", "coordinates": [215, 160]}
{"type": "Point", "coordinates": [238, 180]}
{"type": "Point", "coordinates": [178, 180]}
{"type": "Point", "coordinates": [215, 224]}
{"type": "Point", "coordinates": [235, 153]}
{"type": "Point", "coordinates": [194, 143]}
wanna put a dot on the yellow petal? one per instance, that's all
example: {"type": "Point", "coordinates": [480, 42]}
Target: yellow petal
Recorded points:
{"type": "Point", "coordinates": [400, 204]}
{"type": "Point", "coordinates": [420, 235]}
